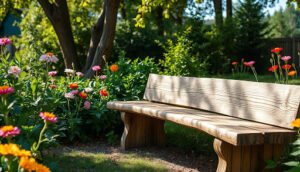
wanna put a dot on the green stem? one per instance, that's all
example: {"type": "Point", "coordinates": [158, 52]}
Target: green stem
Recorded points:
{"type": "Point", "coordinates": [41, 135]}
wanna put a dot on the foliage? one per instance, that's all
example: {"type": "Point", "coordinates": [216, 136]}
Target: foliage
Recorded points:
{"type": "Point", "coordinates": [38, 34]}
{"type": "Point", "coordinates": [180, 61]}
{"type": "Point", "coordinates": [137, 42]}
{"type": "Point", "coordinates": [251, 31]}
{"type": "Point", "coordinates": [285, 22]}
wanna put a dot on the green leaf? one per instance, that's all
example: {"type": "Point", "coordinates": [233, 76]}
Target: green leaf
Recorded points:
{"type": "Point", "coordinates": [292, 163]}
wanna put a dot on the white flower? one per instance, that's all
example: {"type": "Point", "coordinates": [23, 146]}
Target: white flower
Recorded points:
{"type": "Point", "coordinates": [88, 89]}
{"type": "Point", "coordinates": [14, 70]}
{"type": "Point", "coordinates": [49, 58]}
{"type": "Point", "coordinates": [69, 95]}
{"type": "Point", "coordinates": [69, 71]}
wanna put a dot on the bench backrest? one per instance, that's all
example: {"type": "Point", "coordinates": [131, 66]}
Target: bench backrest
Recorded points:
{"type": "Point", "coordinates": [274, 104]}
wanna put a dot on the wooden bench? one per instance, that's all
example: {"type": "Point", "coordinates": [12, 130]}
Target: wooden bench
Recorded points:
{"type": "Point", "coordinates": [249, 120]}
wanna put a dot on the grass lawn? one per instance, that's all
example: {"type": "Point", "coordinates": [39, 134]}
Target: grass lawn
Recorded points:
{"type": "Point", "coordinates": [68, 160]}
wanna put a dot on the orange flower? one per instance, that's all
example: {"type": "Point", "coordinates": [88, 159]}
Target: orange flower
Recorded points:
{"type": "Point", "coordinates": [9, 131]}
{"type": "Point", "coordinates": [234, 63]}
{"type": "Point", "coordinates": [83, 95]}
{"type": "Point", "coordinates": [114, 68]}
{"type": "Point", "coordinates": [6, 90]}
{"type": "Point", "coordinates": [286, 67]}
{"type": "Point", "coordinates": [73, 86]}
{"type": "Point", "coordinates": [14, 150]}
{"type": "Point", "coordinates": [30, 164]}
{"type": "Point", "coordinates": [296, 123]}
{"type": "Point", "coordinates": [52, 86]}
{"type": "Point", "coordinates": [103, 93]}
{"type": "Point", "coordinates": [292, 73]}
{"type": "Point", "coordinates": [276, 50]}
{"type": "Point", "coordinates": [47, 116]}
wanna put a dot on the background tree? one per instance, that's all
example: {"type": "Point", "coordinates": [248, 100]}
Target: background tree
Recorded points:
{"type": "Point", "coordinates": [252, 29]}
{"type": "Point", "coordinates": [285, 23]}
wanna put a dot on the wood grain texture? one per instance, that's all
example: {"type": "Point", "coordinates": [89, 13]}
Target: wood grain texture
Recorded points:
{"type": "Point", "coordinates": [141, 130]}
{"type": "Point", "coordinates": [250, 158]}
{"type": "Point", "coordinates": [268, 103]}
{"type": "Point", "coordinates": [230, 129]}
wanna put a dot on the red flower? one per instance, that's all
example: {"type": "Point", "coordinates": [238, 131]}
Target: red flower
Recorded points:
{"type": "Point", "coordinates": [234, 63]}
{"type": "Point", "coordinates": [73, 86]}
{"type": "Point", "coordinates": [103, 93]}
{"type": "Point", "coordinates": [83, 95]}
{"type": "Point", "coordinates": [276, 50]}
{"type": "Point", "coordinates": [286, 67]}
{"type": "Point", "coordinates": [273, 68]}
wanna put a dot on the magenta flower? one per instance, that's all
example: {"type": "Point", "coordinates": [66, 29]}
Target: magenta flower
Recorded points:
{"type": "Point", "coordinates": [102, 77]}
{"type": "Point", "coordinates": [87, 105]}
{"type": "Point", "coordinates": [47, 116]}
{"type": "Point", "coordinates": [14, 70]}
{"type": "Point", "coordinates": [249, 64]}
{"type": "Point", "coordinates": [4, 90]}
{"type": "Point", "coordinates": [286, 58]}
{"type": "Point", "coordinates": [9, 131]}
{"type": "Point", "coordinates": [49, 58]}
{"type": "Point", "coordinates": [5, 41]}
{"type": "Point", "coordinates": [96, 68]}
{"type": "Point", "coordinates": [52, 73]}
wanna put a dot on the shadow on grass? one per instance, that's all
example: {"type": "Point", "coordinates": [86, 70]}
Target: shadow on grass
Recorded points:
{"type": "Point", "coordinates": [89, 162]}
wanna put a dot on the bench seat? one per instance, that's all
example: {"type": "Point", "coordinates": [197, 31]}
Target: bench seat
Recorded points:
{"type": "Point", "coordinates": [233, 130]}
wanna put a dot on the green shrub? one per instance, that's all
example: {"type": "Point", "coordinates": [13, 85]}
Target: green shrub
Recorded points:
{"type": "Point", "coordinates": [178, 59]}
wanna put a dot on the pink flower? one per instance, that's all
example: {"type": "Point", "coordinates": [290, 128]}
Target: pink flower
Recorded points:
{"type": "Point", "coordinates": [49, 58]}
{"type": "Point", "coordinates": [79, 74]}
{"type": "Point", "coordinates": [4, 90]}
{"type": "Point", "coordinates": [74, 92]}
{"type": "Point", "coordinates": [52, 73]}
{"type": "Point", "coordinates": [14, 70]}
{"type": "Point", "coordinates": [9, 131]}
{"type": "Point", "coordinates": [249, 64]}
{"type": "Point", "coordinates": [286, 58]}
{"type": "Point", "coordinates": [5, 41]}
{"type": "Point", "coordinates": [102, 77]}
{"type": "Point", "coordinates": [88, 89]}
{"type": "Point", "coordinates": [69, 95]}
{"type": "Point", "coordinates": [47, 116]}
{"type": "Point", "coordinates": [87, 105]}
{"type": "Point", "coordinates": [96, 68]}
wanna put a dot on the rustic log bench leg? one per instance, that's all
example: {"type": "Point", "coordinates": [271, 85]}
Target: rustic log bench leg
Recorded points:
{"type": "Point", "coordinates": [141, 130]}
{"type": "Point", "coordinates": [245, 158]}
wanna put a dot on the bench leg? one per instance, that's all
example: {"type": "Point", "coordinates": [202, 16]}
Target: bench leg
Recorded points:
{"type": "Point", "coordinates": [141, 130]}
{"type": "Point", "coordinates": [245, 158]}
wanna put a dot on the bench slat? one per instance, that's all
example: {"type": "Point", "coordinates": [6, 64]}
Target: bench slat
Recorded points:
{"type": "Point", "coordinates": [274, 104]}
{"type": "Point", "coordinates": [230, 129]}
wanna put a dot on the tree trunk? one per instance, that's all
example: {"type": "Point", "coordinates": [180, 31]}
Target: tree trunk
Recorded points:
{"type": "Point", "coordinates": [105, 45]}
{"type": "Point", "coordinates": [228, 9]}
{"type": "Point", "coordinates": [160, 21]}
{"type": "Point", "coordinates": [58, 14]}
{"type": "Point", "coordinates": [97, 32]}
{"type": "Point", "coordinates": [218, 13]}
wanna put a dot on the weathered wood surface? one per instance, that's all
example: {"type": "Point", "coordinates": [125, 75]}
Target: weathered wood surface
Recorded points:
{"type": "Point", "coordinates": [233, 130]}
{"type": "Point", "coordinates": [141, 130]}
{"type": "Point", "coordinates": [250, 158]}
{"type": "Point", "coordinates": [268, 103]}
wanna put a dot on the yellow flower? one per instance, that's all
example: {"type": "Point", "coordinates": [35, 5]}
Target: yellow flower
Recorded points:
{"type": "Point", "coordinates": [14, 150]}
{"type": "Point", "coordinates": [30, 164]}
{"type": "Point", "coordinates": [296, 123]}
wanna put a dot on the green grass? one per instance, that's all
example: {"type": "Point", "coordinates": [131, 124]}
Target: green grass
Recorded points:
{"type": "Point", "coordinates": [84, 160]}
